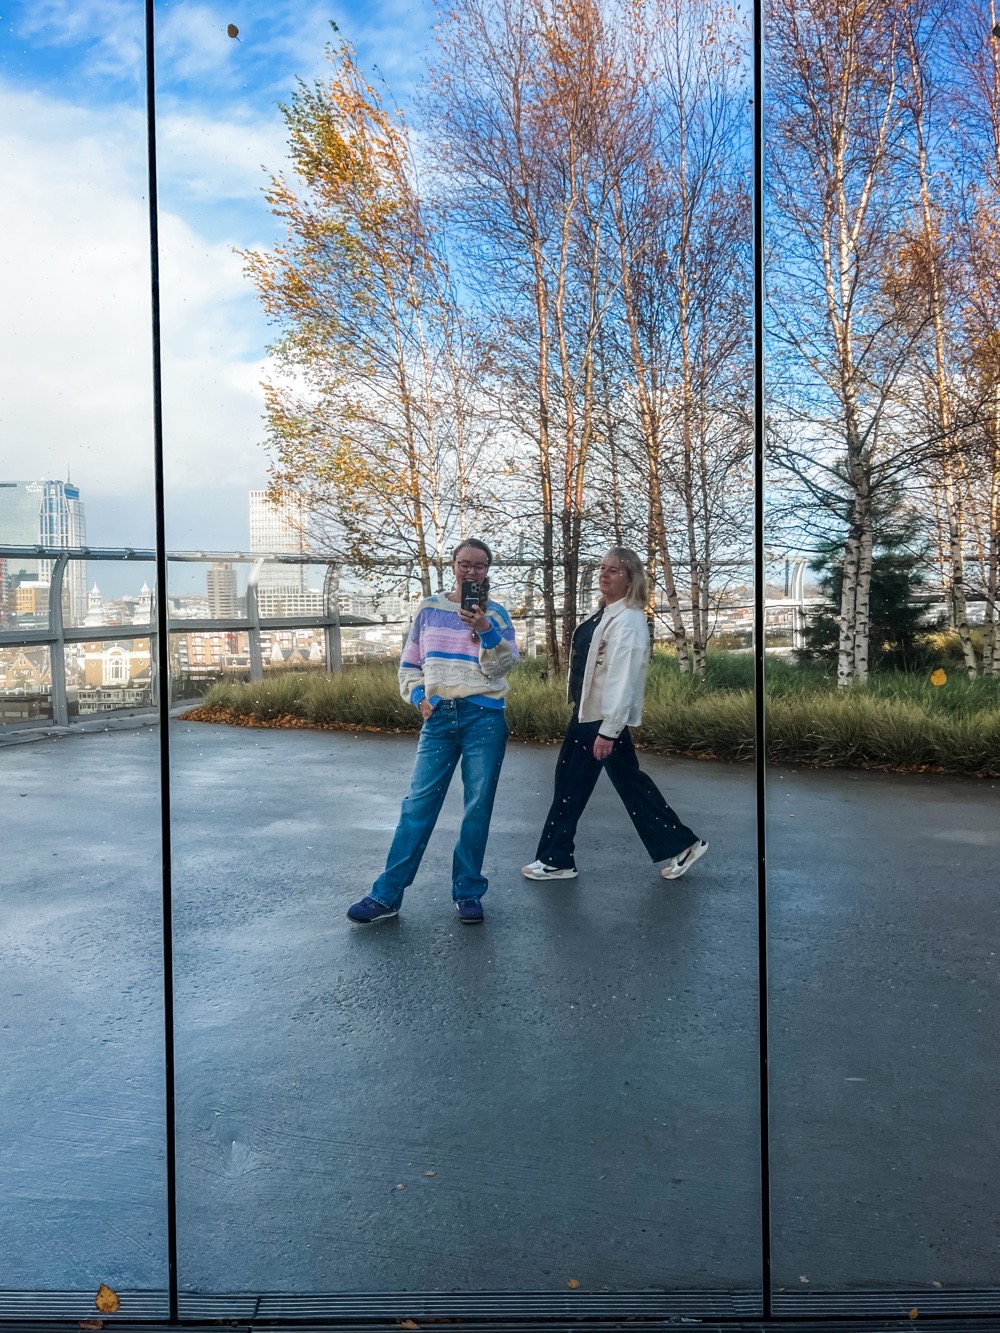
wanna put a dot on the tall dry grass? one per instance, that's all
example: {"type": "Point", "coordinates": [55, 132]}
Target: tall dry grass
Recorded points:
{"type": "Point", "coordinates": [896, 721]}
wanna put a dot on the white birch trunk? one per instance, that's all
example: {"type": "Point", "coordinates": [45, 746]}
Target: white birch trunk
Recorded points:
{"type": "Point", "coordinates": [847, 648]}
{"type": "Point", "coordinates": [862, 613]}
{"type": "Point", "coordinates": [991, 636]}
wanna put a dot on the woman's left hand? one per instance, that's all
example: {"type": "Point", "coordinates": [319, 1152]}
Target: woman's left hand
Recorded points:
{"type": "Point", "coordinates": [602, 747]}
{"type": "Point", "coordinates": [476, 619]}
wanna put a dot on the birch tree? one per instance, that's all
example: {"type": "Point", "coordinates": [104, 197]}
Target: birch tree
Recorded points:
{"type": "Point", "coordinates": [837, 167]}
{"type": "Point", "coordinates": [369, 417]}
{"type": "Point", "coordinates": [928, 258]}
{"type": "Point", "coordinates": [519, 90]}
{"type": "Point", "coordinates": [975, 111]}
{"type": "Point", "coordinates": [693, 271]}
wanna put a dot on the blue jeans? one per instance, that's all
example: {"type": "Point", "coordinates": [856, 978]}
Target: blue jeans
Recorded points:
{"type": "Point", "coordinates": [457, 729]}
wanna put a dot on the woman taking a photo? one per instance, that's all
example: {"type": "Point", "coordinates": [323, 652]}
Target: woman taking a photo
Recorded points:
{"type": "Point", "coordinates": [454, 669]}
{"type": "Point", "coordinates": [607, 679]}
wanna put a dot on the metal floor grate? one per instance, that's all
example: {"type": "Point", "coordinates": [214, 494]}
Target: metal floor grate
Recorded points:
{"type": "Point", "coordinates": [79, 1305]}
{"type": "Point", "coordinates": [893, 1304]}
{"type": "Point", "coordinates": [474, 1305]}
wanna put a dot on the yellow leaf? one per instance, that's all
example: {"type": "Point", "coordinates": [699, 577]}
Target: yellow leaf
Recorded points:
{"type": "Point", "coordinates": [407, 1323]}
{"type": "Point", "coordinates": [106, 1300]}
{"type": "Point", "coordinates": [913, 1313]}
{"type": "Point", "coordinates": [939, 677]}
{"type": "Point", "coordinates": [573, 1283]}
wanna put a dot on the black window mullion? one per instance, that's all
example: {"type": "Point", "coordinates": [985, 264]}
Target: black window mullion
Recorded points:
{"type": "Point", "coordinates": [162, 674]}
{"type": "Point", "coordinates": [760, 753]}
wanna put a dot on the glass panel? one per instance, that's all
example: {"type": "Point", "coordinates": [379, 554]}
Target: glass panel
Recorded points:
{"type": "Point", "coordinates": [83, 1180]}
{"type": "Point", "coordinates": [882, 523]}
{"type": "Point", "coordinates": [562, 1100]}
{"type": "Point", "coordinates": [25, 685]}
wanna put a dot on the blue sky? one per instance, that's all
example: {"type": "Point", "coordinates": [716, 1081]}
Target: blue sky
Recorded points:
{"type": "Point", "coordinates": [74, 269]}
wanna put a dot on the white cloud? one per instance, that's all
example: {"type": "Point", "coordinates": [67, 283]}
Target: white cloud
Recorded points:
{"type": "Point", "coordinates": [209, 160]}
{"type": "Point", "coordinates": [112, 32]}
{"type": "Point", "coordinates": [75, 338]}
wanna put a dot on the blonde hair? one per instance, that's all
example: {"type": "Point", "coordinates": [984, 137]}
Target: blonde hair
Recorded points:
{"type": "Point", "coordinates": [638, 582]}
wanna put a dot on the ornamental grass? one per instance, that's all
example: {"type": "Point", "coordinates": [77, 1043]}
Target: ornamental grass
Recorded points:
{"type": "Point", "coordinates": [896, 721]}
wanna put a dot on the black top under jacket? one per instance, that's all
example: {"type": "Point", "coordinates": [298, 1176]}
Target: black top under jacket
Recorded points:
{"type": "Point", "coordinates": [582, 637]}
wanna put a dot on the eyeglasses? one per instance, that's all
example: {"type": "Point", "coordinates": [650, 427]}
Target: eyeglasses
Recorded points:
{"type": "Point", "coordinates": [467, 568]}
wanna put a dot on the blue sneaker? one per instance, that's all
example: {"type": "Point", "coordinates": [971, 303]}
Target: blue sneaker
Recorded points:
{"type": "Point", "coordinates": [470, 912]}
{"type": "Point", "coordinates": [368, 910]}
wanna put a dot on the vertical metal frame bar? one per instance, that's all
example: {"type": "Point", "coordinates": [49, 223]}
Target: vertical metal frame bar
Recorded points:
{"type": "Point", "coordinates": [760, 721]}
{"type": "Point", "coordinates": [57, 647]}
{"type": "Point", "coordinates": [331, 609]}
{"type": "Point", "coordinates": [254, 646]}
{"type": "Point", "coordinates": [163, 673]}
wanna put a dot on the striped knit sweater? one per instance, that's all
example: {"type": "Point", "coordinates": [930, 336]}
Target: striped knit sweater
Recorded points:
{"type": "Point", "coordinates": [441, 661]}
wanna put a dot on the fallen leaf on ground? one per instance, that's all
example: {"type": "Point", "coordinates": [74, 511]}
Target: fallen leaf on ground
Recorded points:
{"type": "Point", "coordinates": [573, 1283]}
{"type": "Point", "coordinates": [91, 1323]}
{"type": "Point", "coordinates": [430, 1173]}
{"type": "Point", "coordinates": [106, 1300]}
{"type": "Point", "coordinates": [803, 1279]}
{"type": "Point", "coordinates": [407, 1323]}
{"type": "Point", "coordinates": [936, 1284]}
{"type": "Point", "coordinates": [913, 1313]}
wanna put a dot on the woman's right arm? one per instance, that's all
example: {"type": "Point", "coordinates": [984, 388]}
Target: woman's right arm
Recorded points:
{"type": "Point", "coordinates": [411, 665]}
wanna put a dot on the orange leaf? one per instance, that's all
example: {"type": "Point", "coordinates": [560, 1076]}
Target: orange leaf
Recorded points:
{"type": "Point", "coordinates": [573, 1283]}
{"type": "Point", "coordinates": [913, 1313]}
{"type": "Point", "coordinates": [939, 677]}
{"type": "Point", "coordinates": [106, 1300]}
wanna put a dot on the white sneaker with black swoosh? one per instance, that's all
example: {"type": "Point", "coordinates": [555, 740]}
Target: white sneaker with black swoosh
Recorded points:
{"type": "Point", "coordinates": [677, 865]}
{"type": "Point", "coordinates": [539, 870]}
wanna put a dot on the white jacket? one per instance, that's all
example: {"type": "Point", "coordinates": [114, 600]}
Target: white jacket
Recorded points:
{"type": "Point", "coordinates": [614, 679]}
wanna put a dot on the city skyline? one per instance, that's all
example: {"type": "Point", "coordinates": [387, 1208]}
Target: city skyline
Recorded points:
{"type": "Point", "coordinates": [43, 512]}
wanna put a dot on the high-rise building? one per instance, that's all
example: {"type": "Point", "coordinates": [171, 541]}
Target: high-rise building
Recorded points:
{"type": "Point", "coordinates": [46, 513]}
{"type": "Point", "coordinates": [282, 526]}
{"type": "Point", "coordinates": [221, 579]}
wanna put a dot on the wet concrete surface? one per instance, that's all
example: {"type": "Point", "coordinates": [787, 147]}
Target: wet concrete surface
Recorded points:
{"type": "Point", "coordinates": [567, 1092]}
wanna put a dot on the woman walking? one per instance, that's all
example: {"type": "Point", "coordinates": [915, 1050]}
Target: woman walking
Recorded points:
{"type": "Point", "coordinates": [454, 669]}
{"type": "Point", "coordinates": [608, 662]}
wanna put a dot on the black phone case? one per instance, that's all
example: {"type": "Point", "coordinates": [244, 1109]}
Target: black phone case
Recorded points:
{"type": "Point", "coordinates": [472, 593]}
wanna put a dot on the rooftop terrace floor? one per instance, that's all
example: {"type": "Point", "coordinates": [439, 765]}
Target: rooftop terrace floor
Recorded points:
{"type": "Point", "coordinates": [566, 1093]}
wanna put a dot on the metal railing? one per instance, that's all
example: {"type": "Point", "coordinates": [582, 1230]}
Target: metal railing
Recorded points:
{"type": "Point", "coordinates": [57, 634]}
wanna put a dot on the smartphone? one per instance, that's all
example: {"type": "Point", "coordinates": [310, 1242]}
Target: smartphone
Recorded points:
{"type": "Point", "coordinates": [472, 595]}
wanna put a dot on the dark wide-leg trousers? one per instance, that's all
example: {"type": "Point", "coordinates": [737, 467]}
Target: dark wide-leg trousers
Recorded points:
{"type": "Point", "coordinates": [662, 833]}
